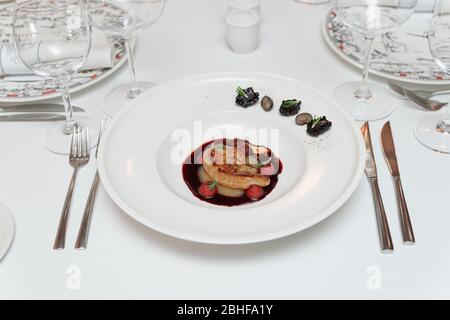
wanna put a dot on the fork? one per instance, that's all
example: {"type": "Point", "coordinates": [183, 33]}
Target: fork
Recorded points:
{"type": "Point", "coordinates": [424, 102]}
{"type": "Point", "coordinates": [79, 157]}
{"type": "Point", "coordinates": [426, 94]}
{"type": "Point", "coordinates": [83, 232]}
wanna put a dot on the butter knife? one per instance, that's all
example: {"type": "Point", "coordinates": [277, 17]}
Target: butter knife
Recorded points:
{"type": "Point", "coordinates": [39, 107]}
{"type": "Point", "coordinates": [387, 143]}
{"type": "Point", "coordinates": [371, 171]}
{"type": "Point", "coordinates": [31, 117]}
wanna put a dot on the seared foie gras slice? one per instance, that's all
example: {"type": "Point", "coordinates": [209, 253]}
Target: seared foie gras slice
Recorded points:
{"type": "Point", "coordinates": [231, 164]}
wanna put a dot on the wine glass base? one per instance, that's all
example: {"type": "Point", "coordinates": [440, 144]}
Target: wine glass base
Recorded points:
{"type": "Point", "coordinates": [119, 97]}
{"type": "Point", "coordinates": [56, 141]}
{"type": "Point", "coordinates": [379, 106]}
{"type": "Point", "coordinates": [429, 134]}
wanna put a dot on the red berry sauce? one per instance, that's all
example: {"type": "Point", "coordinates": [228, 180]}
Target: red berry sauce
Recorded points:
{"type": "Point", "coordinates": [190, 175]}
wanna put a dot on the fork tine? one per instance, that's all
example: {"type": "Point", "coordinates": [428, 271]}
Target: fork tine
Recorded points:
{"type": "Point", "coordinates": [396, 88]}
{"type": "Point", "coordinates": [425, 103]}
{"type": "Point", "coordinates": [79, 142]}
{"type": "Point", "coordinates": [86, 143]}
{"type": "Point", "coordinates": [73, 142]}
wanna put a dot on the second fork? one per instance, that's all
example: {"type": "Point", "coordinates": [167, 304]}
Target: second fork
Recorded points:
{"type": "Point", "coordinates": [79, 157]}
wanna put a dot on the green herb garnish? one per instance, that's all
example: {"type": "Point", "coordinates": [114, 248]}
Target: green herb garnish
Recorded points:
{"type": "Point", "coordinates": [212, 185]}
{"type": "Point", "coordinates": [241, 92]}
{"type": "Point", "coordinates": [315, 121]}
{"type": "Point", "coordinates": [289, 103]}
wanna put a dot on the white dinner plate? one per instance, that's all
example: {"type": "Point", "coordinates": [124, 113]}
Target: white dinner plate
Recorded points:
{"type": "Point", "coordinates": [38, 90]}
{"type": "Point", "coordinates": [401, 55]}
{"type": "Point", "coordinates": [6, 230]}
{"type": "Point", "coordinates": [141, 153]}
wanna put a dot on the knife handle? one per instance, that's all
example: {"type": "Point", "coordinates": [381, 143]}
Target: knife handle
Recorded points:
{"type": "Point", "coordinates": [383, 226]}
{"type": "Point", "coordinates": [408, 233]}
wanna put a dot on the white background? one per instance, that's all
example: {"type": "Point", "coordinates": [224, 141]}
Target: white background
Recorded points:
{"type": "Point", "coordinates": [334, 259]}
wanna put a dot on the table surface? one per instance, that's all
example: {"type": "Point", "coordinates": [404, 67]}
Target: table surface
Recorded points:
{"type": "Point", "coordinates": [339, 258]}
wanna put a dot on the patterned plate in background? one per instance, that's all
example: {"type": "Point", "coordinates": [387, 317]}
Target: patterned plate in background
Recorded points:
{"type": "Point", "coordinates": [36, 90]}
{"type": "Point", "coordinates": [401, 55]}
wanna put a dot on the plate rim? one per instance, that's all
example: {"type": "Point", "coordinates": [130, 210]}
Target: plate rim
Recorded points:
{"type": "Point", "coordinates": [338, 203]}
{"type": "Point", "coordinates": [380, 74]}
{"type": "Point", "coordinates": [5, 212]}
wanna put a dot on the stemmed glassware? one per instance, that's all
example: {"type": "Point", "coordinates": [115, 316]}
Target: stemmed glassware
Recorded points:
{"type": "Point", "coordinates": [434, 131]}
{"type": "Point", "coordinates": [123, 19]}
{"type": "Point", "coordinates": [366, 100]}
{"type": "Point", "coordinates": [62, 28]}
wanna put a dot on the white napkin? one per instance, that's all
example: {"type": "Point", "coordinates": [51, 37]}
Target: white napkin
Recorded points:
{"type": "Point", "coordinates": [425, 5]}
{"type": "Point", "coordinates": [100, 56]}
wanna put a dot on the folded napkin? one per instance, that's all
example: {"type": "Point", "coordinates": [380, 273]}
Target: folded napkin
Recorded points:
{"type": "Point", "coordinates": [100, 56]}
{"type": "Point", "coordinates": [425, 5]}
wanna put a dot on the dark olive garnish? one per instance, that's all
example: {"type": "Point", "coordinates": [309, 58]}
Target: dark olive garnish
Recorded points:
{"type": "Point", "coordinates": [318, 126]}
{"type": "Point", "coordinates": [246, 97]}
{"type": "Point", "coordinates": [303, 118]}
{"type": "Point", "coordinates": [267, 103]}
{"type": "Point", "coordinates": [290, 107]}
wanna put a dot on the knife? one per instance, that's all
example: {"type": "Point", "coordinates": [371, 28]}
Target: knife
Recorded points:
{"type": "Point", "coordinates": [387, 144]}
{"type": "Point", "coordinates": [371, 171]}
{"type": "Point", "coordinates": [40, 107]}
{"type": "Point", "coordinates": [28, 117]}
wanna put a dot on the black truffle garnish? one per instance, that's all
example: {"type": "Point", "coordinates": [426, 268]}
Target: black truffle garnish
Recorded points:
{"type": "Point", "coordinates": [267, 103]}
{"type": "Point", "coordinates": [318, 126]}
{"type": "Point", "coordinates": [290, 107]}
{"type": "Point", "coordinates": [246, 97]}
{"type": "Point", "coordinates": [303, 118]}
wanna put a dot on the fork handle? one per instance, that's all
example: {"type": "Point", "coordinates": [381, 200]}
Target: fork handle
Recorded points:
{"type": "Point", "coordinates": [60, 240]}
{"type": "Point", "coordinates": [83, 232]}
{"type": "Point", "coordinates": [383, 226]}
{"type": "Point", "coordinates": [407, 229]}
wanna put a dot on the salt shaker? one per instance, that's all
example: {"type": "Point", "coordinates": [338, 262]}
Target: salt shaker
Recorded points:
{"type": "Point", "coordinates": [243, 30]}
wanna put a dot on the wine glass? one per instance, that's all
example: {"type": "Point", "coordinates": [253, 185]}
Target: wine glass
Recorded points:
{"type": "Point", "coordinates": [123, 18]}
{"type": "Point", "coordinates": [61, 29]}
{"type": "Point", "coordinates": [365, 100]}
{"type": "Point", "coordinates": [434, 131]}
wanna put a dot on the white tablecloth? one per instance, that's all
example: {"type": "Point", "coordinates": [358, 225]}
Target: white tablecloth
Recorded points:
{"type": "Point", "coordinates": [338, 258]}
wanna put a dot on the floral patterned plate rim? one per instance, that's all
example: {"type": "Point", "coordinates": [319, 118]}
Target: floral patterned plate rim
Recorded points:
{"type": "Point", "coordinates": [402, 55]}
{"type": "Point", "coordinates": [31, 91]}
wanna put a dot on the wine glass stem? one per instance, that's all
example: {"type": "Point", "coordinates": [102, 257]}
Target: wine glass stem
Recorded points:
{"type": "Point", "coordinates": [134, 90]}
{"type": "Point", "coordinates": [64, 87]}
{"type": "Point", "coordinates": [363, 92]}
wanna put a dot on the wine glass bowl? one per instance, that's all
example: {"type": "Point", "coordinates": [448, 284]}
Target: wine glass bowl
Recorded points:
{"type": "Point", "coordinates": [126, 17]}
{"type": "Point", "coordinates": [123, 19]}
{"type": "Point", "coordinates": [57, 30]}
{"type": "Point", "coordinates": [374, 18]}
{"type": "Point", "coordinates": [434, 131]}
{"type": "Point", "coordinates": [439, 41]}
{"type": "Point", "coordinates": [367, 101]}
{"type": "Point", "coordinates": [53, 39]}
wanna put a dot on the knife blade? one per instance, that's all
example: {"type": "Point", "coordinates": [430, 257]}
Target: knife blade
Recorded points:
{"type": "Point", "coordinates": [371, 167]}
{"type": "Point", "coordinates": [384, 232]}
{"type": "Point", "coordinates": [388, 147]}
{"type": "Point", "coordinates": [39, 107]}
{"type": "Point", "coordinates": [31, 117]}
